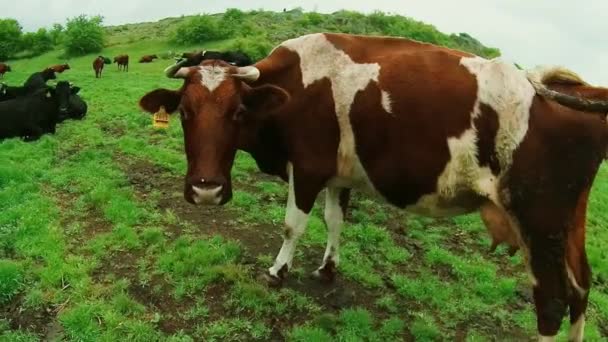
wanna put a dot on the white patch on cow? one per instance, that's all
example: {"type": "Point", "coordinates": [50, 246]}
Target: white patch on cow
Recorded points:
{"type": "Point", "coordinates": [386, 102]}
{"type": "Point", "coordinates": [295, 222]}
{"type": "Point", "coordinates": [577, 330]}
{"type": "Point", "coordinates": [212, 76]}
{"type": "Point", "coordinates": [507, 90]}
{"type": "Point", "coordinates": [542, 338]}
{"type": "Point", "coordinates": [582, 292]}
{"type": "Point", "coordinates": [320, 59]}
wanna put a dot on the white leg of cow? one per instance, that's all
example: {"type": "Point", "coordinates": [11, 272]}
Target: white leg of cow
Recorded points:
{"type": "Point", "coordinates": [577, 330]}
{"type": "Point", "coordinates": [295, 224]}
{"type": "Point", "coordinates": [334, 217]}
{"type": "Point", "coordinates": [542, 338]}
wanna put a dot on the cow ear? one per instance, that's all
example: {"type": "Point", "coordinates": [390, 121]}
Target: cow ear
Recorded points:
{"type": "Point", "coordinates": [75, 90]}
{"type": "Point", "coordinates": [262, 100]}
{"type": "Point", "coordinates": [152, 101]}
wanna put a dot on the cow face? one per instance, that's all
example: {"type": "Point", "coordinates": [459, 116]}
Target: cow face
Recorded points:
{"type": "Point", "coordinates": [69, 105]}
{"type": "Point", "coordinates": [215, 106]}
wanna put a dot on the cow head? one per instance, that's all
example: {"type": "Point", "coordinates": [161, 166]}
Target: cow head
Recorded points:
{"type": "Point", "coordinates": [8, 68]}
{"type": "Point", "coordinates": [216, 106]}
{"type": "Point", "coordinates": [68, 103]}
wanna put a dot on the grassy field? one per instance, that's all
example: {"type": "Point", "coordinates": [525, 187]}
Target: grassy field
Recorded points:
{"type": "Point", "coordinates": [97, 244]}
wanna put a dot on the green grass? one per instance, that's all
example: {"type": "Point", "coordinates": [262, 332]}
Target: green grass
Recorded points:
{"type": "Point", "coordinates": [104, 256]}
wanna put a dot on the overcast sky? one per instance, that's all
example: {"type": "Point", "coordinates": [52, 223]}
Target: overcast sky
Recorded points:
{"type": "Point", "coordinates": [569, 33]}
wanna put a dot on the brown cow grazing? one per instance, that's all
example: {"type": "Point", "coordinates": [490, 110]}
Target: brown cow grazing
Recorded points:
{"type": "Point", "coordinates": [98, 66]}
{"type": "Point", "coordinates": [432, 130]}
{"type": "Point", "coordinates": [4, 68]}
{"type": "Point", "coordinates": [122, 61]}
{"type": "Point", "coordinates": [147, 58]}
{"type": "Point", "coordinates": [59, 68]}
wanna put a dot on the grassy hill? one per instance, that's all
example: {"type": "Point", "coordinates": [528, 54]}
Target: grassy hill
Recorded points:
{"type": "Point", "coordinates": [97, 243]}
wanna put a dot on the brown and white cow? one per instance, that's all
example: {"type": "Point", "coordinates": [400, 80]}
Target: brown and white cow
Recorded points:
{"type": "Point", "coordinates": [122, 61]}
{"type": "Point", "coordinates": [432, 130]}
{"type": "Point", "coordinates": [4, 68]}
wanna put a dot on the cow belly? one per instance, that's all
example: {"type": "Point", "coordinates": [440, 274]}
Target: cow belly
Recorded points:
{"type": "Point", "coordinates": [434, 205]}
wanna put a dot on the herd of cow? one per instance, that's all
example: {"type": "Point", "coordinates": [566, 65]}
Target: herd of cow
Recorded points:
{"type": "Point", "coordinates": [122, 61]}
{"type": "Point", "coordinates": [35, 108]}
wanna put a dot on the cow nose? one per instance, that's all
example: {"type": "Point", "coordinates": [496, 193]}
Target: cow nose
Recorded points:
{"type": "Point", "coordinates": [206, 192]}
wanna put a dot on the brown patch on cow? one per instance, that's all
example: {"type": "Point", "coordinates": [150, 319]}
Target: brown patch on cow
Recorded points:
{"type": "Point", "coordinates": [381, 47]}
{"type": "Point", "coordinates": [411, 135]}
{"type": "Point", "coordinates": [487, 128]}
{"type": "Point", "coordinates": [545, 201]}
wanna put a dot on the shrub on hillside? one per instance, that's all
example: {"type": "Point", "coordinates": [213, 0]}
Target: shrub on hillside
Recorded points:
{"type": "Point", "coordinates": [83, 35]}
{"type": "Point", "coordinates": [37, 42]}
{"type": "Point", "coordinates": [10, 38]}
{"type": "Point", "coordinates": [200, 29]}
{"type": "Point", "coordinates": [256, 47]}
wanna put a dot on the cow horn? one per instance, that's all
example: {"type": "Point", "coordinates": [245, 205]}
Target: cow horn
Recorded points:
{"type": "Point", "coordinates": [171, 71]}
{"type": "Point", "coordinates": [577, 103]}
{"type": "Point", "coordinates": [247, 73]}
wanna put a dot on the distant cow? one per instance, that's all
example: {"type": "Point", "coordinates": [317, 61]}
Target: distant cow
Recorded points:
{"type": "Point", "coordinates": [236, 58]}
{"type": "Point", "coordinates": [38, 80]}
{"type": "Point", "coordinates": [37, 113]}
{"type": "Point", "coordinates": [122, 61]}
{"type": "Point", "coordinates": [98, 66]}
{"type": "Point", "coordinates": [59, 68]}
{"type": "Point", "coordinates": [435, 131]}
{"type": "Point", "coordinates": [147, 58]}
{"type": "Point", "coordinates": [3, 69]}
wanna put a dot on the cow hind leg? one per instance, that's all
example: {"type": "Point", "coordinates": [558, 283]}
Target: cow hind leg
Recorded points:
{"type": "Point", "coordinates": [336, 203]}
{"type": "Point", "coordinates": [300, 200]}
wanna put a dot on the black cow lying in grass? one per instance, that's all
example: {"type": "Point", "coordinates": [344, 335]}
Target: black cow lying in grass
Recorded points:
{"type": "Point", "coordinates": [38, 80]}
{"type": "Point", "coordinates": [31, 115]}
{"type": "Point", "coordinates": [236, 58]}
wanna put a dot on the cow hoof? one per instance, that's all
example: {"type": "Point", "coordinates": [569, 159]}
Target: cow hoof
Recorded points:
{"type": "Point", "coordinates": [271, 280]}
{"type": "Point", "coordinates": [276, 280]}
{"type": "Point", "coordinates": [327, 273]}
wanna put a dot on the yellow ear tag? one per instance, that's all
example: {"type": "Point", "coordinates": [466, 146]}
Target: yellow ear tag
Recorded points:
{"type": "Point", "coordinates": [161, 118]}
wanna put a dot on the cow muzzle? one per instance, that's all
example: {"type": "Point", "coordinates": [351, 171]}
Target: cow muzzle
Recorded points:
{"type": "Point", "coordinates": [203, 192]}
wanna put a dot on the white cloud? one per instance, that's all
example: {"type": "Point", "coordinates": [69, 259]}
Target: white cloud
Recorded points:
{"type": "Point", "coordinates": [529, 32]}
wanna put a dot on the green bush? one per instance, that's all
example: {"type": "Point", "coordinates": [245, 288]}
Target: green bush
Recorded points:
{"type": "Point", "coordinates": [84, 35]}
{"type": "Point", "coordinates": [37, 42]}
{"type": "Point", "coordinates": [200, 29]}
{"type": "Point", "coordinates": [256, 47]}
{"type": "Point", "coordinates": [10, 38]}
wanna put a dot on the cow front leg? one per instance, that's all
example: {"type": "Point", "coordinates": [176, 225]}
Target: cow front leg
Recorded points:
{"type": "Point", "coordinates": [336, 204]}
{"type": "Point", "coordinates": [547, 261]}
{"type": "Point", "coordinates": [300, 200]}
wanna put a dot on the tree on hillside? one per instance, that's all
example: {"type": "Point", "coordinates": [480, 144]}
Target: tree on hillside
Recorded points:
{"type": "Point", "coordinates": [199, 29]}
{"type": "Point", "coordinates": [56, 34]}
{"type": "Point", "coordinates": [10, 38]}
{"type": "Point", "coordinates": [83, 35]}
{"type": "Point", "coordinates": [37, 42]}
